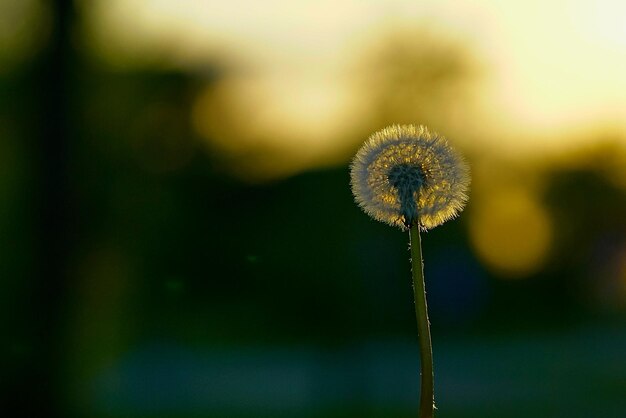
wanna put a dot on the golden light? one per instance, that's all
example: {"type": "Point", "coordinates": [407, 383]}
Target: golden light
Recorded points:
{"type": "Point", "coordinates": [548, 70]}
{"type": "Point", "coordinates": [511, 233]}
{"type": "Point", "coordinates": [269, 121]}
{"type": "Point", "coordinates": [562, 74]}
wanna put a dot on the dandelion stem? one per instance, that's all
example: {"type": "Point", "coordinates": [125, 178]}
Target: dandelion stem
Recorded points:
{"type": "Point", "coordinates": [427, 399]}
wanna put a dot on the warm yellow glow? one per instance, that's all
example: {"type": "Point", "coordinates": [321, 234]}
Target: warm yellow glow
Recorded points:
{"type": "Point", "coordinates": [602, 22]}
{"type": "Point", "coordinates": [511, 233]}
{"type": "Point", "coordinates": [272, 117]}
{"type": "Point", "coordinates": [563, 72]}
{"type": "Point", "coordinates": [549, 69]}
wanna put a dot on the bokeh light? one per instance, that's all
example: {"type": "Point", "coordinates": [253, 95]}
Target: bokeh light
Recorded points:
{"type": "Point", "coordinates": [511, 232]}
{"type": "Point", "coordinates": [270, 127]}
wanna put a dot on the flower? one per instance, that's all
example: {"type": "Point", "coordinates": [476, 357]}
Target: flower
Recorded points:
{"type": "Point", "coordinates": [405, 174]}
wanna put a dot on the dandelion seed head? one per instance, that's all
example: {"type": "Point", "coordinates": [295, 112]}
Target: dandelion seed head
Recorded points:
{"type": "Point", "coordinates": [405, 174]}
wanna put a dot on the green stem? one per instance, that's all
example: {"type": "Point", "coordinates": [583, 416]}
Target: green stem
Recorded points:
{"type": "Point", "coordinates": [427, 399]}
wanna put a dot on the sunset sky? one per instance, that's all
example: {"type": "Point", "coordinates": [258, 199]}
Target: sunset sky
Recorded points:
{"type": "Point", "coordinates": [548, 67]}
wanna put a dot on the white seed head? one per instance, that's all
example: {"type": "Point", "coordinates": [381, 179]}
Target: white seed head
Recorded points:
{"type": "Point", "coordinates": [405, 174]}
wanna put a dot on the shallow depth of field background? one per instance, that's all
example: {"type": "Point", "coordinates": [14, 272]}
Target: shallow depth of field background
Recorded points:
{"type": "Point", "coordinates": [178, 237]}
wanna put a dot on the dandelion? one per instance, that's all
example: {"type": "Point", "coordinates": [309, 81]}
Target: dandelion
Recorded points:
{"type": "Point", "coordinates": [409, 177]}
{"type": "Point", "coordinates": [404, 170]}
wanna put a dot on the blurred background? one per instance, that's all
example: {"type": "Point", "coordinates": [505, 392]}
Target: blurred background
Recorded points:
{"type": "Point", "coordinates": [178, 237]}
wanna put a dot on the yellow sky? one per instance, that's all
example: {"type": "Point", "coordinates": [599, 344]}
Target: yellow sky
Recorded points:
{"type": "Point", "coordinates": [551, 68]}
